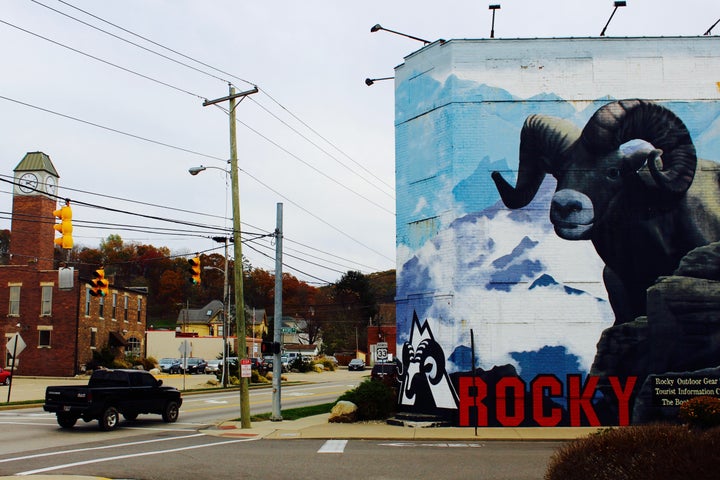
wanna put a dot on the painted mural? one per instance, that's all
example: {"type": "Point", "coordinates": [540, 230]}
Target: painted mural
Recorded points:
{"type": "Point", "coordinates": [531, 234]}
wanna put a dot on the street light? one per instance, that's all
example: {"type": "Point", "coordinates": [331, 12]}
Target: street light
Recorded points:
{"type": "Point", "coordinates": [225, 308]}
{"type": "Point", "coordinates": [617, 4]}
{"type": "Point", "coordinates": [379, 27]}
{"type": "Point", "coordinates": [370, 81]}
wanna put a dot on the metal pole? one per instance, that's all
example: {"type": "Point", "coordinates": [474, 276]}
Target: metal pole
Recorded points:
{"type": "Point", "coordinates": [226, 298]}
{"type": "Point", "coordinates": [14, 367]}
{"type": "Point", "coordinates": [277, 334]}
{"type": "Point", "coordinates": [238, 271]}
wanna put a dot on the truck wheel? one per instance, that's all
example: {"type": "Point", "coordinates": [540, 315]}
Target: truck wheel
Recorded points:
{"type": "Point", "coordinates": [109, 419]}
{"type": "Point", "coordinates": [171, 412]}
{"type": "Point", "coordinates": [66, 421]}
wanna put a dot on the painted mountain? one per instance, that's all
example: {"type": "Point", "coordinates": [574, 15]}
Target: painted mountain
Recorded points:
{"type": "Point", "coordinates": [531, 299]}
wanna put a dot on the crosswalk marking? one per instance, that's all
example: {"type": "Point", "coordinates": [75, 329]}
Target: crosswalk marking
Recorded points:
{"type": "Point", "coordinates": [333, 446]}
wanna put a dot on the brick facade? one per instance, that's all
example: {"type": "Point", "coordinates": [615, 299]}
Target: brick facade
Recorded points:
{"type": "Point", "coordinates": [63, 328]}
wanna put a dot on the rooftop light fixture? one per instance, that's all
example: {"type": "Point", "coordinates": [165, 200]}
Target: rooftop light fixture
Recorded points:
{"type": "Point", "coordinates": [492, 26]}
{"type": "Point", "coordinates": [370, 81]}
{"type": "Point", "coordinates": [617, 4]}
{"type": "Point", "coordinates": [379, 27]}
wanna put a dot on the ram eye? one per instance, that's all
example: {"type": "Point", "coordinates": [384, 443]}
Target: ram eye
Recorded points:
{"type": "Point", "coordinates": [613, 173]}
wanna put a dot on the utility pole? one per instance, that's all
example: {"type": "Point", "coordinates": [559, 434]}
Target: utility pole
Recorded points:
{"type": "Point", "coordinates": [277, 334]}
{"type": "Point", "coordinates": [238, 270]}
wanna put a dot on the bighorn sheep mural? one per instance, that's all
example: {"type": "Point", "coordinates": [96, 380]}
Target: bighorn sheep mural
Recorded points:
{"type": "Point", "coordinates": [630, 182]}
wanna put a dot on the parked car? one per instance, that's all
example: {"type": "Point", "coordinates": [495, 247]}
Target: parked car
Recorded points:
{"type": "Point", "coordinates": [386, 372]}
{"type": "Point", "coordinates": [195, 365]}
{"type": "Point", "coordinates": [284, 361]}
{"type": "Point", "coordinates": [166, 364]}
{"type": "Point", "coordinates": [5, 377]}
{"type": "Point", "coordinates": [213, 366]}
{"type": "Point", "coordinates": [356, 364]}
{"type": "Point", "coordinates": [331, 359]}
{"type": "Point", "coordinates": [259, 365]}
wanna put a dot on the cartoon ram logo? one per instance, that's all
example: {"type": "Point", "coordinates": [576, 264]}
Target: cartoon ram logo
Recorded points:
{"type": "Point", "coordinates": [631, 183]}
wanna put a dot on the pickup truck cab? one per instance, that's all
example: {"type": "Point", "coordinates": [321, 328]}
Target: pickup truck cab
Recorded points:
{"type": "Point", "coordinates": [110, 393]}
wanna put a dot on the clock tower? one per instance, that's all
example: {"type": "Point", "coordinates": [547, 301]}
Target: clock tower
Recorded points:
{"type": "Point", "coordinates": [34, 201]}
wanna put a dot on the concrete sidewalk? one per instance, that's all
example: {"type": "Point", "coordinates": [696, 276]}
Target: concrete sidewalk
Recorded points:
{"type": "Point", "coordinates": [318, 427]}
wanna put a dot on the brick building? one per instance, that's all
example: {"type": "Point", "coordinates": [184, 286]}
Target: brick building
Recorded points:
{"type": "Point", "coordinates": [50, 309]}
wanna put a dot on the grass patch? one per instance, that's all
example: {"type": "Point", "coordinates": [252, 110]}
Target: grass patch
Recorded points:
{"type": "Point", "coordinates": [295, 413]}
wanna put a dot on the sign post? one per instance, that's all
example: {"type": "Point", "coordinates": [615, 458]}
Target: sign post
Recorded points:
{"type": "Point", "coordinates": [18, 346]}
{"type": "Point", "coordinates": [381, 351]}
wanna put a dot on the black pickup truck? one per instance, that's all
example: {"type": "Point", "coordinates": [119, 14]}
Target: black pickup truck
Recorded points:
{"type": "Point", "coordinates": [110, 393]}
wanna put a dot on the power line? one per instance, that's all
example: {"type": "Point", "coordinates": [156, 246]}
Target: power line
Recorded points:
{"type": "Point", "coordinates": [146, 77]}
{"type": "Point", "coordinates": [226, 81]}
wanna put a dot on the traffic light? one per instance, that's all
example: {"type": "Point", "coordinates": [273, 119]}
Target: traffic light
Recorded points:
{"type": "Point", "coordinates": [99, 284]}
{"type": "Point", "coordinates": [270, 348]}
{"type": "Point", "coordinates": [65, 226]}
{"type": "Point", "coordinates": [195, 270]}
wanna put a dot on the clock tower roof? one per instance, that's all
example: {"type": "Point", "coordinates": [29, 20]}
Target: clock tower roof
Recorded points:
{"type": "Point", "coordinates": [36, 162]}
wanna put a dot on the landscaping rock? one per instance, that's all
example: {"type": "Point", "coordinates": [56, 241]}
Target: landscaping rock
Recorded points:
{"type": "Point", "coordinates": [343, 412]}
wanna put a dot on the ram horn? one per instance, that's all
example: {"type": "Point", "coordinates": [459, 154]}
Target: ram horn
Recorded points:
{"type": "Point", "coordinates": [625, 120]}
{"type": "Point", "coordinates": [543, 141]}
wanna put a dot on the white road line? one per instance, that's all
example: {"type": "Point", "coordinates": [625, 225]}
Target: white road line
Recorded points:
{"type": "Point", "coordinates": [333, 446]}
{"type": "Point", "coordinates": [89, 449]}
{"type": "Point", "coordinates": [123, 457]}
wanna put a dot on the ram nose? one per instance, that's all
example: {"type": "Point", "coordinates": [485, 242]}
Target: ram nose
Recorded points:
{"type": "Point", "coordinates": [571, 212]}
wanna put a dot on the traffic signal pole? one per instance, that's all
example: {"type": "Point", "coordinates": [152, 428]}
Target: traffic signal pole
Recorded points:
{"type": "Point", "coordinates": [237, 247]}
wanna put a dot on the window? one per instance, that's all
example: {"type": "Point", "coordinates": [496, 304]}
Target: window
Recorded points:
{"type": "Point", "coordinates": [114, 305]}
{"type": "Point", "coordinates": [44, 336]}
{"type": "Point", "coordinates": [93, 338]}
{"type": "Point", "coordinates": [125, 314]}
{"type": "Point", "coordinates": [139, 311]}
{"type": "Point", "coordinates": [46, 301]}
{"type": "Point", "coordinates": [87, 301]}
{"type": "Point", "coordinates": [101, 312]}
{"type": "Point", "coordinates": [14, 301]}
{"type": "Point", "coordinates": [133, 347]}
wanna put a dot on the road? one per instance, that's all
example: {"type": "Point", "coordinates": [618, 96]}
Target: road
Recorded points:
{"type": "Point", "coordinates": [187, 455]}
{"type": "Point", "coordinates": [33, 444]}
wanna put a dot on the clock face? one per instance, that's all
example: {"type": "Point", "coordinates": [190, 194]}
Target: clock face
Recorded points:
{"type": "Point", "coordinates": [50, 185]}
{"type": "Point", "coordinates": [28, 183]}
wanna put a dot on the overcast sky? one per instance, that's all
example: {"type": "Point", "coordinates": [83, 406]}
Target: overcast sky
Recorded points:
{"type": "Point", "coordinates": [123, 125]}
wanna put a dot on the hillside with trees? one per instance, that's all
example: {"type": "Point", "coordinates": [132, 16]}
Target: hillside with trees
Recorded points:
{"type": "Point", "coordinates": [338, 312]}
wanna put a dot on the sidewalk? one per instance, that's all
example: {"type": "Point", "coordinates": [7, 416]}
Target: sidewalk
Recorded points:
{"type": "Point", "coordinates": [318, 427]}
{"type": "Point", "coordinates": [25, 389]}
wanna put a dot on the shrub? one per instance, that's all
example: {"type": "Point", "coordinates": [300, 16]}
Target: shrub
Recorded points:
{"type": "Point", "coordinates": [701, 412]}
{"type": "Point", "coordinates": [661, 451]}
{"type": "Point", "coordinates": [375, 400]}
{"type": "Point", "coordinates": [255, 377]}
{"type": "Point", "coordinates": [301, 365]}
{"type": "Point", "coordinates": [327, 365]}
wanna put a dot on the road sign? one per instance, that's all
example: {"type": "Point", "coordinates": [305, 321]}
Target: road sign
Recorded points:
{"type": "Point", "coordinates": [289, 330]}
{"type": "Point", "coordinates": [184, 348]}
{"type": "Point", "coordinates": [381, 351]}
{"type": "Point", "coordinates": [245, 368]}
{"type": "Point", "coordinates": [15, 348]}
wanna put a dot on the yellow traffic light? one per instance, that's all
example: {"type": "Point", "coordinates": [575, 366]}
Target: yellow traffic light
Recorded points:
{"type": "Point", "coordinates": [99, 284]}
{"type": "Point", "coordinates": [65, 226]}
{"type": "Point", "coordinates": [194, 270]}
